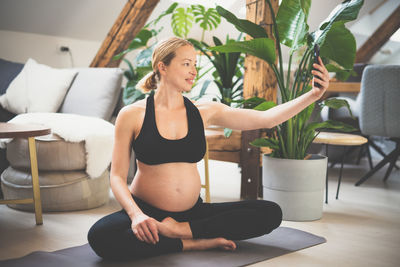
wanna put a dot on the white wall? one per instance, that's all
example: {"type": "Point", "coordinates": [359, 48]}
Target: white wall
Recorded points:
{"type": "Point", "coordinates": [19, 46]}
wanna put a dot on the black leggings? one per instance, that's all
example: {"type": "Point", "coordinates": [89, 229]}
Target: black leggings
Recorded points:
{"type": "Point", "coordinates": [112, 238]}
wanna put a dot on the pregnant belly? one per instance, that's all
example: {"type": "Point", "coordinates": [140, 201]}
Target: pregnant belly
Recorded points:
{"type": "Point", "coordinates": [166, 188]}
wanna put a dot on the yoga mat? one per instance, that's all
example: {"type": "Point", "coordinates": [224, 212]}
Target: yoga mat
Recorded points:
{"type": "Point", "coordinates": [281, 241]}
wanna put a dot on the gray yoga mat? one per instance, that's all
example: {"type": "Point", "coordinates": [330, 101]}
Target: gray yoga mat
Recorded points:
{"type": "Point", "coordinates": [281, 241]}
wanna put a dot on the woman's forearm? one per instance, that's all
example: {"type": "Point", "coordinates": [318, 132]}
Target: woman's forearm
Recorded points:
{"type": "Point", "coordinates": [123, 196]}
{"type": "Point", "coordinates": [285, 111]}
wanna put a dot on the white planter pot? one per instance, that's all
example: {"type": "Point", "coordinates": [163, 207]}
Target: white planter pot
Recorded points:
{"type": "Point", "coordinates": [296, 185]}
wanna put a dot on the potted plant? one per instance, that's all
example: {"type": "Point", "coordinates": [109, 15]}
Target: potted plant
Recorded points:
{"type": "Point", "coordinates": [291, 178]}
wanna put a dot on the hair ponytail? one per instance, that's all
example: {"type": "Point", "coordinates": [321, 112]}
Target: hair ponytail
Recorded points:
{"type": "Point", "coordinates": [148, 82]}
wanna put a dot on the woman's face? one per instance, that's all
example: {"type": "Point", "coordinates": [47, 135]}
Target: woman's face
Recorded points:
{"type": "Point", "coordinates": [181, 71]}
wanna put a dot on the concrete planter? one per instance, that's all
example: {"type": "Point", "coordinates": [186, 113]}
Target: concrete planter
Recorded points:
{"type": "Point", "coordinates": [296, 185]}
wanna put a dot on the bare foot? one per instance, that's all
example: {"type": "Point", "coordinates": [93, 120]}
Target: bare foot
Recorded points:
{"type": "Point", "coordinates": [204, 244]}
{"type": "Point", "coordinates": [171, 228]}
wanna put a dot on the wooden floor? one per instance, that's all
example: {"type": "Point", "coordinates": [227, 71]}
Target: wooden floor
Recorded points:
{"type": "Point", "coordinates": [362, 228]}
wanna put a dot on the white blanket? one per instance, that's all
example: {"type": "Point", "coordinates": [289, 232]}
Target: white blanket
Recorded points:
{"type": "Point", "coordinates": [98, 135]}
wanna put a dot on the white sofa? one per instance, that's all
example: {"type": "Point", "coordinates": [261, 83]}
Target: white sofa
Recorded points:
{"type": "Point", "coordinates": [65, 184]}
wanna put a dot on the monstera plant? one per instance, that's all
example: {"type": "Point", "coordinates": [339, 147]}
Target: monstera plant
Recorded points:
{"type": "Point", "coordinates": [292, 138]}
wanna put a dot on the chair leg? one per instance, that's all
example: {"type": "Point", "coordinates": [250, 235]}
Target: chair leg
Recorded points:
{"type": "Point", "coordinates": [389, 170]}
{"type": "Point", "coordinates": [340, 172]}
{"type": "Point", "coordinates": [394, 154]}
{"type": "Point", "coordinates": [371, 166]}
{"type": "Point", "coordinates": [379, 150]}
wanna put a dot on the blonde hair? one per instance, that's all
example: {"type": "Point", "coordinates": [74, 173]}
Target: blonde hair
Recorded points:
{"type": "Point", "coordinates": [163, 52]}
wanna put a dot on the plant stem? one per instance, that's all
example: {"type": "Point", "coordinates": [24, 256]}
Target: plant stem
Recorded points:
{"type": "Point", "coordinates": [289, 138]}
{"type": "Point", "coordinates": [288, 76]}
{"type": "Point", "coordinates": [280, 83]}
{"type": "Point", "coordinates": [301, 72]}
{"type": "Point", "coordinates": [283, 149]}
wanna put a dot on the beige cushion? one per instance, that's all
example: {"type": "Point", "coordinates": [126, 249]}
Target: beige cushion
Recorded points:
{"type": "Point", "coordinates": [60, 191]}
{"type": "Point", "coordinates": [53, 154]}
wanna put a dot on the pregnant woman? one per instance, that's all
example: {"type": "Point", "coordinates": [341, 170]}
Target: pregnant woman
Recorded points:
{"type": "Point", "coordinates": [162, 211]}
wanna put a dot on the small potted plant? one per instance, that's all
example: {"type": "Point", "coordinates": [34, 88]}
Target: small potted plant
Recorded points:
{"type": "Point", "coordinates": [290, 177]}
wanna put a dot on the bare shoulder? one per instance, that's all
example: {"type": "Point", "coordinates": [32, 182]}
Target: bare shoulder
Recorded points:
{"type": "Point", "coordinates": [132, 116]}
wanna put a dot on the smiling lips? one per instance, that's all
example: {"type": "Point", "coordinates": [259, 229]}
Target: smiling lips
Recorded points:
{"type": "Point", "coordinates": [190, 81]}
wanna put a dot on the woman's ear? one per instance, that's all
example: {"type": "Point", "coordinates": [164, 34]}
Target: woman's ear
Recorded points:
{"type": "Point", "coordinates": [161, 67]}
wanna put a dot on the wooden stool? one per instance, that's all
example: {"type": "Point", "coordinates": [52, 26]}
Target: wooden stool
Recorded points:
{"type": "Point", "coordinates": [338, 139]}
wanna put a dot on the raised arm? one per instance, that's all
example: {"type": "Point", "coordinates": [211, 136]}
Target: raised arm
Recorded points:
{"type": "Point", "coordinates": [247, 119]}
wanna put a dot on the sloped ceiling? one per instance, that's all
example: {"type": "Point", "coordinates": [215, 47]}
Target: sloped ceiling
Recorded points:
{"type": "Point", "coordinates": [92, 19]}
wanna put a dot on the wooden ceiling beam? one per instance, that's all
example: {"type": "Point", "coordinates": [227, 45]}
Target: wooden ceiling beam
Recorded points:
{"type": "Point", "coordinates": [129, 22]}
{"type": "Point", "coordinates": [379, 37]}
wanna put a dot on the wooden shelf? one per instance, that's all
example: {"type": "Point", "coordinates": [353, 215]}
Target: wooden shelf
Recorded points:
{"type": "Point", "coordinates": [343, 87]}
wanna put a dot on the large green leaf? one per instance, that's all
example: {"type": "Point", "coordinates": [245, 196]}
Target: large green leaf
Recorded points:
{"type": "Point", "coordinates": [330, 124]}
{"type": "Point", "coordinates": [268, 142]}
{"type": "Point", "coordinates": [263, 48]}
{"type": "Point", "coordinates": [346, 11]}
{"type": "Point", "coordinates": [209, 19]}
{"type": "Point", "coordinates": [292, 22]}
{"type": "Point", "coordinates": [336, 103]}
{"type": "Point", "coordinates": [341, 74]}
{"type": "Point", "coordinates": [265, 105]}
{"type": "Point", "coordinates": [182, 21]}
{"type": "Point", "coordinates": [252, 29]}
{"type": "Point", "coordinates": [340, 46]}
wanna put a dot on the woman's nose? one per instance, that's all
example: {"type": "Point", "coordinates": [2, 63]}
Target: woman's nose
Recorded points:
{"type": "Point", "coordinates": [194, 71]}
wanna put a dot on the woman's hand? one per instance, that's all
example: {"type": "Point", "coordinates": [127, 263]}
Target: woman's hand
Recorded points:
{"type": "Point", "coordinates": [321, 72]}
{"type": "Point", "coordinates": [145, 228]}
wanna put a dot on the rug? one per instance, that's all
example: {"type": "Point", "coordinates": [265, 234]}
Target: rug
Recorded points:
{"type": "Point", "coordinates": [282, 240]}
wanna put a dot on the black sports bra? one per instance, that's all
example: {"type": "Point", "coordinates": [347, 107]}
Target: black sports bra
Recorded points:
{"type": "Point", "coordinates": [151, 148]}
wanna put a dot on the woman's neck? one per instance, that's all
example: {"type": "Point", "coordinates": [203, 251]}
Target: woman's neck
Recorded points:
{"type": "Point", "coordinates": [168, 98]}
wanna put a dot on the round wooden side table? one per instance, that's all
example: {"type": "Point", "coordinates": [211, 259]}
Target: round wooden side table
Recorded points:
{"type": "Point", "coordinates": [12, 130]}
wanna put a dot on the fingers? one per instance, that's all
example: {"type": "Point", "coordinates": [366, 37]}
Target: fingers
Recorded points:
{"type": "Point", "coordinates": [153, 229]}
{"type": "Point", "coordinates": [320, 70]}
{"type": "Point", "coordinates": [148, 237]}
{"type": "Point", "coordinates": [147, 231]}
{"type": "Point", "coordinates": [323, 83]}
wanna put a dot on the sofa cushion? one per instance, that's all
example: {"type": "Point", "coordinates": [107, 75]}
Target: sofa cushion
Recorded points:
{"type": "Point", "coordinates": [8, 71]}
{"type": "Point", "coordinates": [37, 88]}
{"type": "Point", "coordinates": [59, 191]}
{"type": "Point", "coordinates": [94, 92]}
{"type": "Point", "coordinates": [53, 154]}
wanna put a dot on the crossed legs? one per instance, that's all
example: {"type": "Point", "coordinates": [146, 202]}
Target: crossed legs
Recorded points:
{"type": "Point", "coordinates": [205, 226]}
